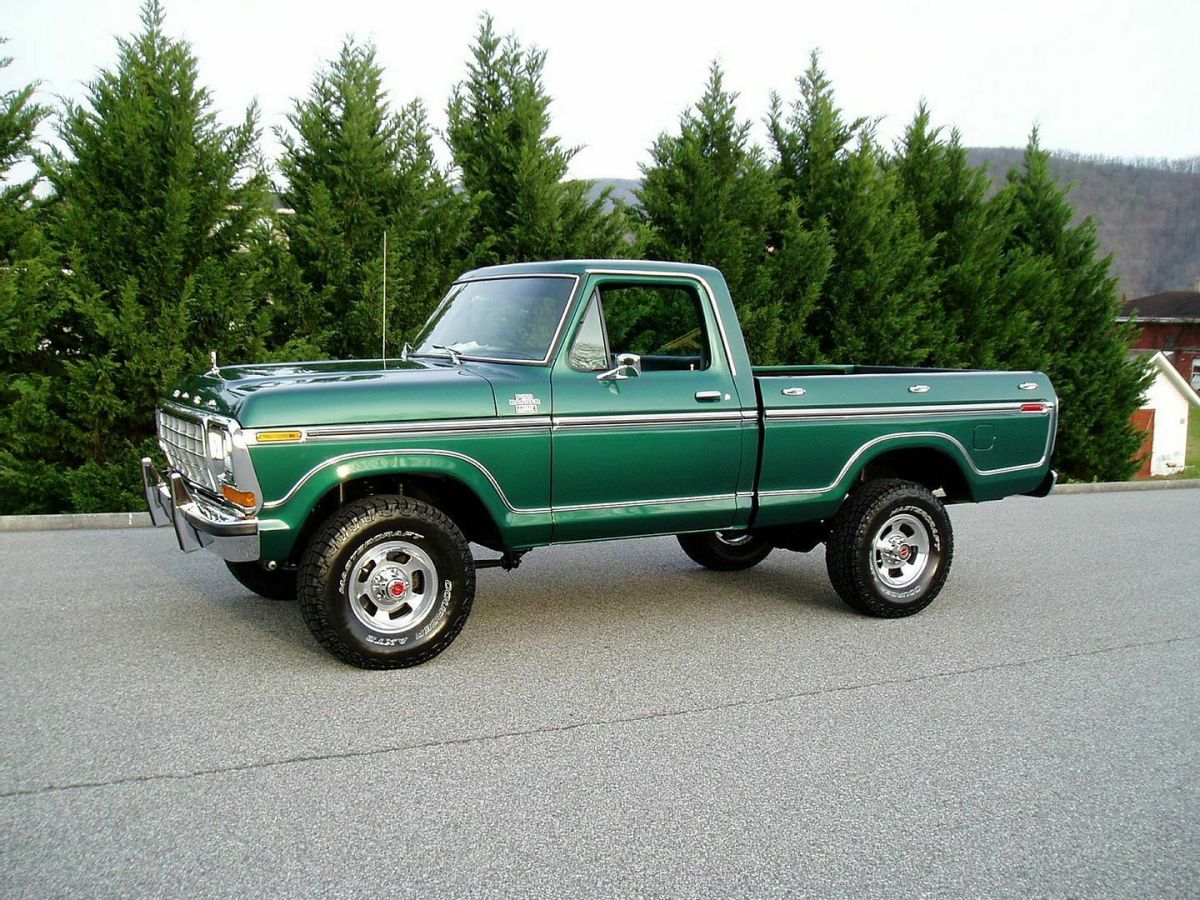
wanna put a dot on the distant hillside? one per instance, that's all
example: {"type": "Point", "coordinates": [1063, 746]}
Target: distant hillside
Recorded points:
{"type": "Point", "coordinates": [1147, 214]}
{"type": "Point", "coordinates": [622, 189]}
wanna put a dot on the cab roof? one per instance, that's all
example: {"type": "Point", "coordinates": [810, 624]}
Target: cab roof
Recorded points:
{"type": "Point", "coordinates": [582, 267]}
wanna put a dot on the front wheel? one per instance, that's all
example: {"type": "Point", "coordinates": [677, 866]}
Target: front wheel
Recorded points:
{"type": "Point", "coordinates": [725, 551]}
{"type": "Point", "coordinates": [386, 582]}
{"type": "Point", "coordinates": [889, 548]}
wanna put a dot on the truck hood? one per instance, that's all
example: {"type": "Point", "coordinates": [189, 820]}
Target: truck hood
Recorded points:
{"type": "Point", "coordinates": [337, 392]}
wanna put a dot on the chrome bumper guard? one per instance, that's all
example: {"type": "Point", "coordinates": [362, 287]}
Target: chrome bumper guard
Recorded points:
{"type": "Point", "coordinates": [198, 522]}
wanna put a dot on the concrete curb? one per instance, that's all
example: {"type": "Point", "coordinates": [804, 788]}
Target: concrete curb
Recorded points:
{"type": "Point", "coordinates": [73, 521]}
{"type": "Point", "coordinates": [1104, 487]}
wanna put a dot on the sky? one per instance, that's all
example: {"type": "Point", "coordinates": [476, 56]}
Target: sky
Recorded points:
{"type": "Point", "coordinates": [1097, 77]}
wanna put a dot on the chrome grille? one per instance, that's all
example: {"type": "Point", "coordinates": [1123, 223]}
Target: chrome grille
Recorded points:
{"type": "Point", "coordinates": [183, 442]}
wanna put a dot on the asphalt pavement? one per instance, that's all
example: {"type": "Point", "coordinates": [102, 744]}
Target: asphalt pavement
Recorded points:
{"type": "Point", "coordinates": [614, 721]}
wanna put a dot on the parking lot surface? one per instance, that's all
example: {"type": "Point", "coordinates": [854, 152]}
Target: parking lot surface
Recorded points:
{"type": "Point", "coordinates": [615, 721]}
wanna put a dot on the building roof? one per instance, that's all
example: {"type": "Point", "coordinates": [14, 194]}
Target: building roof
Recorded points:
{"type": "Point", "coordinates": [1162, 368]}
{"type": "Point", "coordinates": [1169, 306]}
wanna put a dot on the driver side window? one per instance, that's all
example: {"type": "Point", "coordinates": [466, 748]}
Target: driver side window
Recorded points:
{"type": "Point", "coordinates": [661, 323]}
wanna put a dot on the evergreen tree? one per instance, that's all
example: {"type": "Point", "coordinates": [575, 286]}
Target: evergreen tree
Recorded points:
{"type": "Point", "coordinates": [709, 197]}
{"type": "Point", "coordinates": [155, 214]}
{"type": "Point", "coordinates": [1082, 348]}
{"type": "Point", "coordinates": [986, 286]}
{"type": "Point", "coordinates": [19, 119]}
{"type": "Point", "coordinates": [513, 169]}
{"type": "Point", "coordinates": [30, 291]}
{"type": "Point", "coordinates": [875, 304]}
{"type": "Point", "coordinates": [355, 170]}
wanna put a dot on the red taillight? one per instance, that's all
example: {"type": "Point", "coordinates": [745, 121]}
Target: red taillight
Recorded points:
{"type": "Point", "coordinates": [1033, 407]}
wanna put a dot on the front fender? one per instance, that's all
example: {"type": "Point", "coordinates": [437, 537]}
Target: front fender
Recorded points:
{"type": "Point", "coordinates": [285, 516]}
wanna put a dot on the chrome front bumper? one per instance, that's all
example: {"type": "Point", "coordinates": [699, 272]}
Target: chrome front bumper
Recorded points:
{"type": "Point", "coordinates": [198, 522]}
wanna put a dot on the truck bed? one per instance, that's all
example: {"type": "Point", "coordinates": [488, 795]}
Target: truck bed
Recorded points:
{"type": "Point", "coordinates": [820, 429]}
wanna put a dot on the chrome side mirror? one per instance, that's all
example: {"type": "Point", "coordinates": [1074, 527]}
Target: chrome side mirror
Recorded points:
{"type": "Point", "coordinates": [628, 365]}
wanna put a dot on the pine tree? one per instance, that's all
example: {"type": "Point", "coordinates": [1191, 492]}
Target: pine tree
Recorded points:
{"type": "Point", "coordinates": [709, 197]}
{"type": "Point", "coordinates": [30, 288]}
{"type": "Point", "coordinates": [155, 213]}
{"type": "Point", "coordinates": [875, 304]}
{"type": "Point", "coordinates": [355, 170]}
{"type": "Point", "coordinates": [19, 119]}
{"type": "Point", "coordinates": [985, 286]}
{"type": "Point", "coordinates": [1083, 350]}
{"type": "Point", "coordinates": [513, 169]}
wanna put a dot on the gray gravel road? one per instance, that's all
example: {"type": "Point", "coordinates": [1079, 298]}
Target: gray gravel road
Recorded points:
{"type": "Point", "coordinates": [616, 721]}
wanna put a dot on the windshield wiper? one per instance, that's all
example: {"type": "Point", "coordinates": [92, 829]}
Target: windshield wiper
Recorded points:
{"type": "Point", "coordinates": [454, 357]}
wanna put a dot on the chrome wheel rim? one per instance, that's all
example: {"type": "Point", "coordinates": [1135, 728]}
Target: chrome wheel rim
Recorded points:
{"type": "Point", "coordinates": [392, 587]}
{"type": "Point", "coordinates": [733, 538]}
{"type": "Point", "coordinates": [902, 554]}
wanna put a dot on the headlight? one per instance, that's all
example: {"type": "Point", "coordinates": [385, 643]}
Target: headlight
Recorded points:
{"type": "Point", "coordinates": [220, 446]}
{"type": "Point", "coordinates": [220, 453]}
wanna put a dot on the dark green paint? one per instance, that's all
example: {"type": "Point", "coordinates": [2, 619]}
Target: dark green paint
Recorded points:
{"type": "Point", "coordinates": [656, 477]}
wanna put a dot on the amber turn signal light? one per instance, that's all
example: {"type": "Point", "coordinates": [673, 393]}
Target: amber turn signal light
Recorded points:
{"type": "Point", "coordinates": [241, 498]}
{"type": "Point", "coordinates": [276, 437]}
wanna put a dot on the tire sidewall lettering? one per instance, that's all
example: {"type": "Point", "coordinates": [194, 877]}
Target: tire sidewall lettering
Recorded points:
{"type": "Point", "coordinates": [382, 643]}
{"type": "Point", "coordinates": [884, 512]}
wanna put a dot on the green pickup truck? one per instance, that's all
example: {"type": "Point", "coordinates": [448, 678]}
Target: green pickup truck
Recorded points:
{"type": "Point", "coordinates": [555, 402]}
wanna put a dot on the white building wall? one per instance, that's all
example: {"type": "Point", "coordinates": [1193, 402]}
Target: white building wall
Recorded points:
{"type": "Point", "coordinates": [1170, 425]}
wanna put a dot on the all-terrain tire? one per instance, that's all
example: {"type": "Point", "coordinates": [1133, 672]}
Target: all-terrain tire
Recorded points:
{"type": "Point", "coordinates": [386, 582]}
{"type": "Point", "coordinates": [889, 548]}
{"type": "Point", "coordinates": [277, 585]}
{"type": "Point", "coordinates": [725, 551]}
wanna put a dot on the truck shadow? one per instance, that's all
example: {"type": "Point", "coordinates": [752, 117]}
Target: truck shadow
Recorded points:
{"type": "Point", "coordinates": [593, 598]}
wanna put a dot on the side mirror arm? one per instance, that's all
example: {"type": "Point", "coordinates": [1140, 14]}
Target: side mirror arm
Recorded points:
{"type": "Point", "coordinates": [629, 365]}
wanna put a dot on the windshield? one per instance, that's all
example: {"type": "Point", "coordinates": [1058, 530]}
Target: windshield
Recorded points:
{"type": "Point", "coordinates": [500, 318]}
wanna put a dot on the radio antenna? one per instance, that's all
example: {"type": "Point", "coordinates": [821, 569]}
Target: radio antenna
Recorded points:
{"type": "Point", "coordinates": [383, 353]}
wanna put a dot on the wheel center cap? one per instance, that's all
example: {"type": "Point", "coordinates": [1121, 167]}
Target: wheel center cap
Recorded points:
{"type": "Point", "coordinates": [390, 587]}
{"type": "Point", "coordinates": [903, 552]}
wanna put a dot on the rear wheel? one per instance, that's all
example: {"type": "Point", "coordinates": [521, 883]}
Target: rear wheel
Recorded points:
{"type": "Point", "coordinates": [725, 551]}
{"type": "Point", "coordinates": [277, 585]}
{"type": "Point", "coordinates": [889, 548]}
{"type": "Point", "coordinates": [386, 582]}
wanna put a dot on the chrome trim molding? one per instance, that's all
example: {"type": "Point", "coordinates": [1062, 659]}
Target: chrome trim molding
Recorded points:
{"type": "Point", "coordinates": [408, 451]}
{"type": "Point", "coordinates": [924, 373]}
{"type": "Point", "coordinates": [391, 429]}
{"type": "Point", "coordinates": [505, 425]}
{"type": "Point", "coordinates": [793, 492]}
{"type": "Point", "coordinates": [933, 409]}
{"type": "Point", "coordinates": [525, 511]}
{"type": "Point", "coordinates": [712, 301]}
{"type": "Point", "coordinates": [666, 420]}
{"type": "Point", "coordinates": [620, 504]}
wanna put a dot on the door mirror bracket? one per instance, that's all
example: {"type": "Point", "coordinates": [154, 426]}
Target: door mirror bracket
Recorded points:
{"type": "Point", "coordinates": [629, 365]}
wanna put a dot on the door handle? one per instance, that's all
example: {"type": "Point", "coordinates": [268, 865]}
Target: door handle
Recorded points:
{"type": "Point", "coordinates": [919, 389]}
{"type": "Point", "coordinates": [708, 396]}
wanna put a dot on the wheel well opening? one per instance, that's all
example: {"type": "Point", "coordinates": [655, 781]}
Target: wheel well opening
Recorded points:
{"type": "Point", "coordinates": [452, 497]}
{"type": "Point", "coordinates": [924, 465]}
